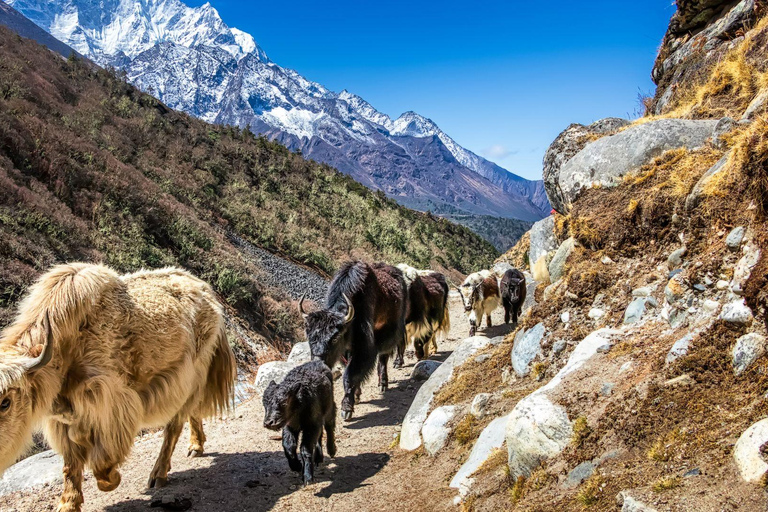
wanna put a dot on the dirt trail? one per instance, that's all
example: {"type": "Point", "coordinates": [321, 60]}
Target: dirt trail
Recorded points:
{"type": "Point", "coordinates": [244, 467]}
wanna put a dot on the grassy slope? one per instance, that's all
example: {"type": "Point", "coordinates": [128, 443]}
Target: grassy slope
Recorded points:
{"type": "Point", "coordinates": [92, 169]}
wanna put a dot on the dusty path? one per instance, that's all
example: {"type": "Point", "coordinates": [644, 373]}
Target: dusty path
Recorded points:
{"type": "Point", "coordinates": [245, 469]}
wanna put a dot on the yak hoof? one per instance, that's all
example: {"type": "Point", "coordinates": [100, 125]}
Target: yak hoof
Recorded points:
{"type": "Point", "coordinates": [195, 453]}
{"type": "Point", "coordinates": [157, 482]}
{"type": "Point", "coordinates": [383, 387]}
{"type": "Point", "coordinates": [346, 415]}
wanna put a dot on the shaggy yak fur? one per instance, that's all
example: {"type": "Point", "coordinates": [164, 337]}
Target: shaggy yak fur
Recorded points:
{"type": "Point", "coordinates": [363, 317]}
{"type": "Point", "coordinates": [427, 317]}
{"type": "Point", "coordinates": [94, 357]}
{"type": "Point", "coordinates": [512, 294]}
{"type": "Point", "coordinates": [483, 300]}
{"type": "Point", "coordinates": [303, 403]}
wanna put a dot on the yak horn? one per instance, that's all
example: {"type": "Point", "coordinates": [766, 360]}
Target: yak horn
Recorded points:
{"type": "Point", "coordinates": [301, 305]}
{"type": "Point", "coordinates": [463, 300]}
{"type": "Point", "coordinates": [350, 309]}
{"type": "Point", "coordinates": [35, 363]}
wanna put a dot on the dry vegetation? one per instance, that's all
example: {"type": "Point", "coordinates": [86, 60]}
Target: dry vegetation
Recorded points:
{"type": "Point", "coordinates": [92, 169]}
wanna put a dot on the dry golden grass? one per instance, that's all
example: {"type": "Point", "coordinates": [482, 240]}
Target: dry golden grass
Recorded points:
{"type": "Point", "coordinates": [537, 370]}
{"type": "Point", "coordinates": [517, 491]}
{"type": "Point", "coordinates": [590, 492]}
{"type": "Point", "coordinates": [580, 430]}
{"type": "Point", "coordinates": [466, 430]}
{"type": "Point", "coordinates": [665, 446]}
{"type": "Point", "coordinates": [666, 483]}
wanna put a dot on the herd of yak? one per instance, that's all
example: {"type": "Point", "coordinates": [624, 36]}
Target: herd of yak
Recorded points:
{"type": "Point", "coordinates": [93, 357]}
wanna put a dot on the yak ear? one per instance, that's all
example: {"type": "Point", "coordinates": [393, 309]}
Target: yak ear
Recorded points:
{"type": "Point", "coordinates": [270, 388]}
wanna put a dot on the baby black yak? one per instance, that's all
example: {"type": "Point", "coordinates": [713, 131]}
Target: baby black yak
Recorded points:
{"type": "Point", "coordinates": [364, 318]}
{"type": "Point", "coordinates": [512, 294]}
{"type": "Point", "coordinates": [303, 402]}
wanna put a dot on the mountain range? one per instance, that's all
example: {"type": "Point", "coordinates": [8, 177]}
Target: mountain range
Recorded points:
{"type": "Point", "coordinates": [192, 61]}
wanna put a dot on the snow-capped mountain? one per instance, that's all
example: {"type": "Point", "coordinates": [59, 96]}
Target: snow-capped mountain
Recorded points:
{"type": "Point", "coordinates": [191, 60]}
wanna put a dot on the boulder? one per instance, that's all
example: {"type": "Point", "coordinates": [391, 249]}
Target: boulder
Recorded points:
{"type": "Point", "coordinates": [35, 471]}
{"type": "Point", "coordinates": [500, 267]}
{"type": "Point", "coordinates": [543, 239]}
{"type": "Point", "coordinates": [410, 434]}
{"type": "Point", "coordinates": [736, 312]}
{"type": "Point", "coordinates": [756, 106]}
{"type": "Point", "coordinates": [272, 371]}
{"type": "Point", "coordinates": [435, 431]}
{"type": "Point", "coordinates": [526, 347]}
{"type": "Point", "coordinates": [735, 237]}
{"type": "Point", "coordinates": [679, 348]}
{"type": "Point", "coordinates": [746, 351]}
{"type": "Point", "coordinates": [424, 369]}
{"type": "Point", "coordinates": [557, 265]}
{"type": "Point", "coordinates": [635, 311]}
{"type": "Point", "coordinates": [491, 439]}
{"type": "Point", "coordinates": [300, 353]}
{"type": "Point", "coordinates": [605, 161]}
{"type": "Point", "coordinates": [566, 146]}
{"type": "Point", "coordinates": [698, 190]}
{"type": "Point", "coordinates": [743, 268]}
{"type": "Point", "coordinates": [748, 454]}
{"type": "Point", "coordinates": [537, 429]}
{"type": "Point", "coordinates": [579, 474]}
{"type": "Point", "coordinates": [479, 404]}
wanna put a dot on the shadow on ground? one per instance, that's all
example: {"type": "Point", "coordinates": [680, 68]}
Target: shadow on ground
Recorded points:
{"type": "Point", "coordinates": [256, 481]}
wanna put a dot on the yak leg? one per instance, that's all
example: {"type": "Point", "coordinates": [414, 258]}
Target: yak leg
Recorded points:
{"type": "Point", "coordinates": [290, 443]}
{"type": "Point", "coordinates": [382, 371]}
{"type": "Point", "coordinates": [159, 475]}
{"type": "Point", "coordinates": [196, 437]}
{"type": "Point", "coordinates": [330, 432]}
{"type": "Point", "coordinates": [515, 313]}
{"type": "Point", "coordinates": [319, 449]}
{"type": "Point", "coordinates": [360, 364]}
{"type": "Point", "coordinates": [399, 359]}
{"type": "Point", "coordinates": [309, 440]}
{"type": "Point", "coordinates": [72, 497]}
{"type": "Point", "coordinates": [488, 322]}
{"type": "Point", "coordinates": [507, 309]}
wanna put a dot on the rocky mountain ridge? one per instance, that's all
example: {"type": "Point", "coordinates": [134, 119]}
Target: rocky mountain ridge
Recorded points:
{"type": "Point", "coordinates": [193, 62]}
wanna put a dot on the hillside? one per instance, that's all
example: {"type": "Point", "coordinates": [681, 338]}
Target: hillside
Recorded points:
{"type": "Point", "coordinates": [193, 62]}
{"type": "Point", "coordinates": [92, 169]}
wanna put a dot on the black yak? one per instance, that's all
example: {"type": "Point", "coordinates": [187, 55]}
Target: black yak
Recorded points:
{"type": "Point", "coordinates": [512, 294]}
{"type": "Point", "coordinates": [363, 317]}
{"type": "Point", "coordinates": [303, 403]}
{"type": "Point", "coordinates": [427, 316]}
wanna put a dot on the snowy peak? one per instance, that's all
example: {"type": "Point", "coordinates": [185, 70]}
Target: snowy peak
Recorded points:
{"type": "Point", "coordinates": [111, 27]}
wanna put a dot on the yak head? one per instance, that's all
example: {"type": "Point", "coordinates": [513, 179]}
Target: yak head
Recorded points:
{"type": "Point", "coordinates": [278, 403]}
{"type": "Point", "coordinates": [469, 307]}
{"type": "Point", "coordinates": [18, 394]}
{"type": "Point", "coordinates": [326, 330]}
{"type": "Point", "coordinates": [513, 290]}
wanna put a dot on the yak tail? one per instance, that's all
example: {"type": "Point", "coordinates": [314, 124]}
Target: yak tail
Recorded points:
{"type": "Point", "coordinates": [444, 325]}
{"type": "Point", "coordinates": [219, 391]}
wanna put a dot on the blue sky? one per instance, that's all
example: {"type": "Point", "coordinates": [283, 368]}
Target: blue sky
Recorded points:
{"type": "Point", "coordinates": [502, 78]}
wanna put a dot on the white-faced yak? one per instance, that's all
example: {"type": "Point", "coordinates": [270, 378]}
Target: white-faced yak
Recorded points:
{"type": "Point", "coordinates": [483, 300]}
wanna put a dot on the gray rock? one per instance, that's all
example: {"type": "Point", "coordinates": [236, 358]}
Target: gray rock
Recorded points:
{"type": "Point", "coordinates": [410, 435]}
{"type": "Point", "coordinates": [747, 453]}
{"type": "Point", "coordinates": [723, 126]}
{"type": "Point", "coordinates": [543, 239]}
{"type": "Point", "coordinates": [743, 268]}
{"type": "Point", "coordinates": [482, 358]}
{"type": "Point", "coordinates": [679, 348]}
{"type": "Point", "coordinates": [490, 440]}
{"type": "Point", "coordinates": [630, 504]}
{"type": "Point", "coordinates": [300, 353]}
{"type": "Point", "coordinates": [746, 351]}
{"type": "Point", "coordinates": [692, 472]}
{"type": "Point", "coordinates": [500, 267]}
{"type": "Point", "coordinates": [606, 160]}
{"type": "Point", "coordinates": [675, 259]}
{"type": "Point", "coordinates": [607, 388]}
{"type": "Point", "coordinates": [40, 469]}
{"type": "Point", "coordinates": [579, 474]}
{"type": "Point", "coordinates": [737, 312]}
{"type": "Point", "coordinates": [479, 404]}
{"type": "Point", "coordinates": [698, 190]}
{"type": "Point", "coordinates": [757, 105]}
{"type": "Point", "coordinates": [435, 431]}
{"type": "Point", "coordinates": [272, 371]}
{"type": "Point", "coordinates": [734, 238]}
{"type": "Point", "coordinates": [572, 140]}
{"type": "Point", "coordinates": [557, 265]}
{"type": "Point", "coordinates": [423, 369]}
{"type": "Point", "coordinates": [559, 346]}
{"type": "Point", "coordinates": [644, 291]}
{"type": "Point", "coordinates": [596, 313]}
{"type": "Point", "coordinates": [634, 311]}
{"type": "Point", "coordinates": [526, 347]}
